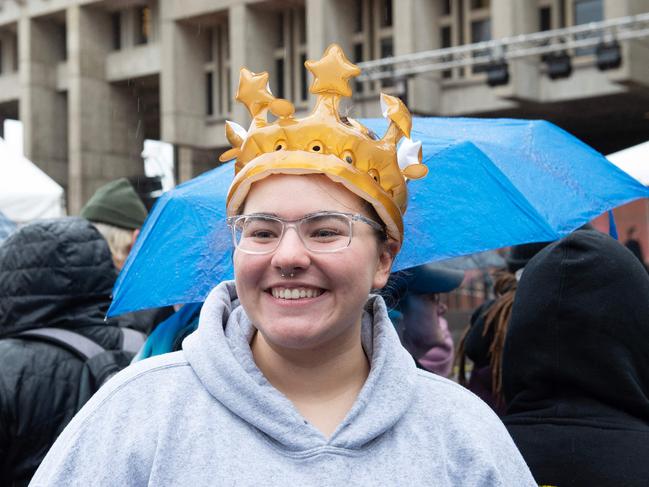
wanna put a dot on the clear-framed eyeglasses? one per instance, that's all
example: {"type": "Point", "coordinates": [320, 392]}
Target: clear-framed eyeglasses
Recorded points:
{"type": "Point", "coordinates": [323, 232]}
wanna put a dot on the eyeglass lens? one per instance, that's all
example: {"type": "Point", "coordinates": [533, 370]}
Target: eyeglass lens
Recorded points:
{"type": "Point", "coordinates": [319, 233]}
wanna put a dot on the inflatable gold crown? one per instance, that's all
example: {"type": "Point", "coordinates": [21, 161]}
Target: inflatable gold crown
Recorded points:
{"type": "Point", "coordinates": [324, 142]}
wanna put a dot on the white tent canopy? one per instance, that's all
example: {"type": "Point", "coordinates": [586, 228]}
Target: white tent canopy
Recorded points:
{"type": "Point", "coordinates": [26, 192]}
{"type": "Point", "coordinates": [633, 161]}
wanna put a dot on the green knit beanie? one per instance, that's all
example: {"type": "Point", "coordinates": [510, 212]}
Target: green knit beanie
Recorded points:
{"type": "Point", "coordinates": [116, 203]}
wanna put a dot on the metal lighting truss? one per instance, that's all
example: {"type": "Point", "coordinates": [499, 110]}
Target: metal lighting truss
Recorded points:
{"type": "Point", "coordinates": [507, 48]}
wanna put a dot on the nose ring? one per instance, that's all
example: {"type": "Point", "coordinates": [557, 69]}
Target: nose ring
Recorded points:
{"type": "Point", "coordinates": [289, 275]}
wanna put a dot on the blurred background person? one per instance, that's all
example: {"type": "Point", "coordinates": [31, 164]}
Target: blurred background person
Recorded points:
{"type": "Point", "coordinates": [633, 244]}
{"type": "Point", "coordinates": [576, 364]}
{"type": "Point", "coordinates": [417, 310]}
{"type": "Point", "coordinates": [117, 211]}
{"type": "Point", "coordinates": [484, 338]}
{"type": "Point", "coordinates": [56, 274]}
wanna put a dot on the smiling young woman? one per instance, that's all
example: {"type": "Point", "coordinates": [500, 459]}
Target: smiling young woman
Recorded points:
{"type": "Point", "coordinates": [296, 375]}
{"type": "Point", "coordinates": [307, 305]}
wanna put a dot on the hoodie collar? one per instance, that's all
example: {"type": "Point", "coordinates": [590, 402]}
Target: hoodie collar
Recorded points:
{"type": "Point", "coordinates": [219, 352]}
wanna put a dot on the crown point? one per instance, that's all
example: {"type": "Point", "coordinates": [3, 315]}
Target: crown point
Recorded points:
{"type": "Point", "coordinates": [253, 91]}
{"type": "Point", "coordinates": [394, 110]}
{"type": "Point", "coordinates": [332, 72]}
{"type": "Point", "coordinates": [415, 171]}
{"type": "Point", "coordinates": [230, 154]}
{"type": "Point", "coordinates": [282, 108]}
{"type": "Point", "coordinates": [234, 133]}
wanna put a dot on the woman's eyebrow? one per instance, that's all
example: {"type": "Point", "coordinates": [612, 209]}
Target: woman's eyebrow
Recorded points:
{"type": "Point", "coordinates": [306, 215]}
{"type": "Point", "coordinates": [275, 215]}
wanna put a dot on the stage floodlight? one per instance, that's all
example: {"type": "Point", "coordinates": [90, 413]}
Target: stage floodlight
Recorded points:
{"type": "Point", "coordinates": [608, 55]}
{"type": "Point", "coordinates": [497, 73]}
{"type": "Point", "coordinates": [559, 65]}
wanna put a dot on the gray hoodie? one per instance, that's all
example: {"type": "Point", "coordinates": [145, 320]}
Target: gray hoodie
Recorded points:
{"type": "Point", "coordinates": [207, 416]}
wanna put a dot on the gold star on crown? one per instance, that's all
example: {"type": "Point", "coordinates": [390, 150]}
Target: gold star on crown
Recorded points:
{"type": "Point", "coordinates": [324, 142]}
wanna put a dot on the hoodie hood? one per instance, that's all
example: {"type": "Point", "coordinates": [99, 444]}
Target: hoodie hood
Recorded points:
{"type": "Point", "coordinates": [577, 340]}
{"type": "Point", "coordinates": [220, 355]}
{"type": "Point", "coordinates": [54, 273]}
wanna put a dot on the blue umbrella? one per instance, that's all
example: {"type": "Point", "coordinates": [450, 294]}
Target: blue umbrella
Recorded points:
{"type": "Point", "coordinates": [492, 183]}
{"type": "Point", "coordinates": [7, 227]}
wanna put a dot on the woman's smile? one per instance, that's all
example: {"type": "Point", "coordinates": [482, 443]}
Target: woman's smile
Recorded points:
{"type": "Point", "coordinates": [295, 293]}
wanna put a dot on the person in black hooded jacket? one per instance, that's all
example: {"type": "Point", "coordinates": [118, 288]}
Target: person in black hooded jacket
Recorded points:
{"type": "Point", "coordinates": [576, 364]}
{"type": "Point", "coordinates": [54, 273]}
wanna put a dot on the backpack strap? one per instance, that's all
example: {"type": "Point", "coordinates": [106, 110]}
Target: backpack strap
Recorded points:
{"type": "Point", "coordinates": [76, 343]}
{"type": "Point", "coordinates": [132, 340]}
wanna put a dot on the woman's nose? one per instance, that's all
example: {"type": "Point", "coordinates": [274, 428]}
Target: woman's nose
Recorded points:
{"type": "Point", "coordinates": [291, 252]}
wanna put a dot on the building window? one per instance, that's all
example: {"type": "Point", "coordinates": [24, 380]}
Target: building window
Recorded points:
{"type": "Point", "coordinates": [464, 22]}
{"type": "Point", "coordinates": [116, 26]}
{"type": "Point", "coordinates": [142, 25]}
{"type": "Point", "coordinates": [374, 37]}
{"type": "Point", "coordinates": [15, 53]}
{"type": "Point", "coordinates": [209, 93]}
{"type": "Point", "coordinates": [556, 14]}
{"type": "Point", "coordinates": [480, 30]}
{"type": "Point", "coordinates": [585, 11]}
{"type": "Point", "coordinates": [385, 13]}
{"type": "Point", "coordinates": [478, 4]}
{"type": "Point", "coordinates": [545, 18]}
{"type": "Point", "coordinates": [218, 89]}
{"type": "Point", "coordinates": [63, 42]}
{"type": "Point", "coordinates": [290, 78]}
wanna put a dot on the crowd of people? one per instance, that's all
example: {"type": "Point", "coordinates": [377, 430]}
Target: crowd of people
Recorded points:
{"type": "Point", "coordinates": [318, 365]}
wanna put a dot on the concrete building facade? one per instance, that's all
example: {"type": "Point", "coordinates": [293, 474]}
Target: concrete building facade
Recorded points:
{"type": "Point", "coordinates": [91, 79]}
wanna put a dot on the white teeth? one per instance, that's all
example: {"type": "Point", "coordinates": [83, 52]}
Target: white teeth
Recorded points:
{"type": "Point", "coordinates": [295, 293]}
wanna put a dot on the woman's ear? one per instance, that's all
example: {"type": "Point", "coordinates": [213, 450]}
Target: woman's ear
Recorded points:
{"type": "Point", "coordinates": [387, 252]}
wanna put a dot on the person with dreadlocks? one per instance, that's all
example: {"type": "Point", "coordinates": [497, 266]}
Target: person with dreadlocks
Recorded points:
{"type": "Point", "coordinates": [484, 338]}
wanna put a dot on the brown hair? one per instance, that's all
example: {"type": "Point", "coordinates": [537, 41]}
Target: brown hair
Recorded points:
{"type": "Point", "coordinates": [496, 318]}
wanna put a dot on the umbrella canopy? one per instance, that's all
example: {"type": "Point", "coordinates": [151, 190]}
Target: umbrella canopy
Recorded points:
{"type": "Point", "coordinates": [634, 161]}
{"type": "Point", "coordinates": [7, 227]}
{"type": "Point", "coordinates": [492, 183]}
{"type": "Point", "coordinates": [480, 260]}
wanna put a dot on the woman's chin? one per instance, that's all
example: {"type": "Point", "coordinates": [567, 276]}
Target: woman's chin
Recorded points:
{"type": "Point", "coordinates": [289, 333]}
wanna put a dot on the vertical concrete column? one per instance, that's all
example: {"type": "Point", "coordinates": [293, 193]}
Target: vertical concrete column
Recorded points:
{"type": "Point", "coordinates": [622, 8]}
{"type": "Point", "coordinates": [416, 29]}
{"type": "Point", "coordinates": [5, 52]}
{"type": "Point", "coordinates": [251, 45]}
{"type": "Point", "coordinates": [328, 21]}
{"type": "Point", "coordinates": [184, 50]}
{"type": "Point", "coordinates": [635, 68]}
{"type": "Point", "coordinates": [42, 109]}
{"type": "Point", "coordinates": [185, 164]}
{"type": "Point", "coordinates": [105, 130]}
{"type": "Point", "coordinates": [511, 19]}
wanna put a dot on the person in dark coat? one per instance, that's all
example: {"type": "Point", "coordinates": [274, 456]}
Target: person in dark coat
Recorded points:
{"type": "Point", "coordinates": [576, 364]}
{"type": "Point", "coordinates": [54, 273]}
